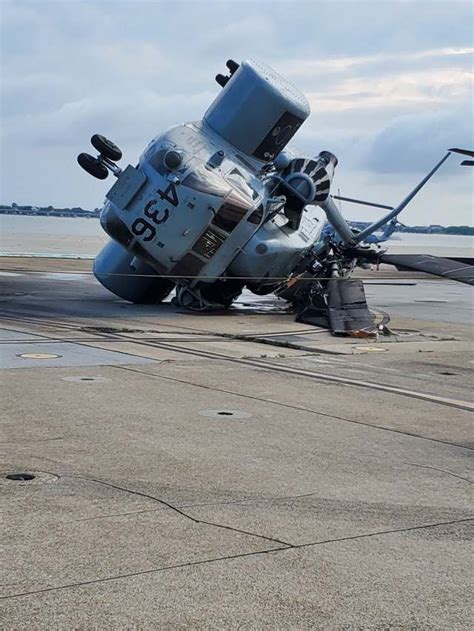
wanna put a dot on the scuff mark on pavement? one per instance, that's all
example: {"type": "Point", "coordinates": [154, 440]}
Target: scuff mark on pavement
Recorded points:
{"type": "Point", "coordinates": [454, 475]}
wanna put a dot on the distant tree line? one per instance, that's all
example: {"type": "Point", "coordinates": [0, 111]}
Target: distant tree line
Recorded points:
{"type": "Point", "coordinates": [49, 211]}
{"type": "Point", "coordinates": [469, 230]}
{"type": "Point", "coordinates": [459, 230]}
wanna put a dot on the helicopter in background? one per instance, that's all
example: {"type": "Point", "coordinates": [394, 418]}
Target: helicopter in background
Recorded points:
{"type": "Point", "coordinates": [223, 203]}
{"type": "Point", "coordinates": [392, 226]}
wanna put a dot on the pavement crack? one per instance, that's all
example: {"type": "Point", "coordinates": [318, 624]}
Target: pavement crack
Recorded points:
{"type": "Point", "coordinates": [293, 407]}
{"type": "Point", "coordinates": [164, 568]}
{"type": "Point", "coordinates": [30, 442]}
{"type": "Point", "coordinates": [240, 502]}
{"type": "Point", "coordinates": [318, 376]}
{"type": "Point", "coordinates": [181, 512]}
{"type": "Point", "coordinates": [454, 475]}
{"type": "Point", "coordinates": [227, 558]}
{"type": "Point", "coordinates": [382, 532]}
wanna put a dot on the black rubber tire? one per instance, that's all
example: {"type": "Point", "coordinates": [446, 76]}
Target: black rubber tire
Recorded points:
{"type": "Point", "coordinates": [106, 147]}
{"type": "Point", "coordinates": [92, 166]}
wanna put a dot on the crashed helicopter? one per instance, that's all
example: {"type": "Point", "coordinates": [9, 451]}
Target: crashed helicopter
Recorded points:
{"type": "Point", "coordinates": [222, 204]}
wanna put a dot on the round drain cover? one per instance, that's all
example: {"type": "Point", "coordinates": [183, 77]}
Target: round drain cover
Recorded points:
{"type": "Point", "coordinates": [9, 478]}
{"type": "Point", "coordinates": [84, 378]}
{"type": "Point", "coordinates": [225, 414]}
{"type": "Point", "coordinates": [20, 477]}
{"type": "Point", "coordinates": [39, 355]}
{"type": "Point", "coordinates": [369, 349]}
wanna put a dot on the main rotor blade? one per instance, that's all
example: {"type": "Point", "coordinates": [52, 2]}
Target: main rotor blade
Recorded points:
{"type": "Point", "coordinates": [361, 202]}
{"type": "Point", "coordinates": [446, 268]}
{"type": "Point", "coordinates": [463, 152]}
{"type": "Point", "coordinates": [396, 211]}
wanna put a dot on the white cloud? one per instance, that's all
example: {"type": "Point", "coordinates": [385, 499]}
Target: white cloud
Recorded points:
{"type": "Point", "coordinates": [306, 67]}
{"type": "Point", "coordinates": [395, 91]}
{"type": "Point", "coordinates": [390, 83]}
{"type": "Point", "coordinates": [411, 142]}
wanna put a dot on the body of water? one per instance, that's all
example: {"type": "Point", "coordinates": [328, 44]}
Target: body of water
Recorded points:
{"type": "Point", "coordinates": [85, 237]}
{"type": "Point", "coordinates": [51, 235]}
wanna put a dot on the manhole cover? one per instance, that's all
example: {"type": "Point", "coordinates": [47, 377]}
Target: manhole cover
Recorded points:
{"type": "Point", "coordinates": [405, 331]}
{"type": "Point", "coordinates": [435, 301]}
{"type": "Point", "coordinates": [368, 349]}
{"type": "Point", "coordinates": [38, 355]}
{"type": "Point", "coordinates": [225, 414]}
{"type": "Point", "coordinates": [110, 329]}
{"type": "Point", "coordinates": [20, 477]}
{"type": "Point", "coordinates": [10, 478]}
{"type": "Point", "coordinates": [80, 379]}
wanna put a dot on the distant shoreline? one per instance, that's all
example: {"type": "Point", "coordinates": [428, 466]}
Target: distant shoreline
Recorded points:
{"type": "Point", "coordinates": [74, 213]}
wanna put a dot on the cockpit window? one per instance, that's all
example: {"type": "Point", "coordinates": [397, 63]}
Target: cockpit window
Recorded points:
{"type": "Point", "coordinates": [237, 179]}
{"type": "Point", "coordinates": [205, 181]}
{"type": "Point", "coordinates": [228, 217]}
{"type": "Point", "coordinates": [257, 216]}
{"type": "Point", "coordinates": [232, 211]}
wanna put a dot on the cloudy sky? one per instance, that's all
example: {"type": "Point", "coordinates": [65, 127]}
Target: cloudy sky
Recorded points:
{"type": "Point", "coordinates": [390, 87]}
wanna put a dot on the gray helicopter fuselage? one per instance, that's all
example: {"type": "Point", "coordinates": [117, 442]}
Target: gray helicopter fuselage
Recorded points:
{"type": "Point", "coordinates": [208, 199]}
{"type": "Point", "coordinates": [228, 199]}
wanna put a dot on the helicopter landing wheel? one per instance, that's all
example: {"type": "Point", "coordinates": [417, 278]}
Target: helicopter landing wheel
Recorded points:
{"type": "Point", "coordinates": [106, 147]}
{"type": "Point", "coordinates": [93, 166]}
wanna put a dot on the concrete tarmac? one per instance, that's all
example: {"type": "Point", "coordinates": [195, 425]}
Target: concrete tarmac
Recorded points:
{"type": "Point", "coordinates": [234, 470]}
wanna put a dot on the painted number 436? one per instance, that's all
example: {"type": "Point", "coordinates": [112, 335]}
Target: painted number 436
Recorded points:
{"type": "Point", "coordinates": [155, 216]}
